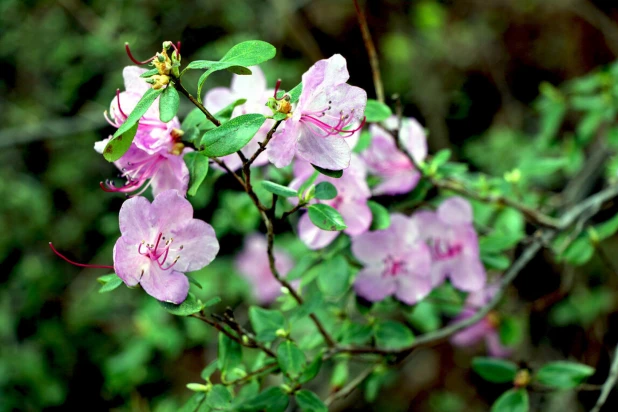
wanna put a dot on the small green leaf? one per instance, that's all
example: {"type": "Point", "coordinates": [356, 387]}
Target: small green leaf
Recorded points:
{"type": "Point", "coordinates": [513, 400]}
{"type": "Point", "coordinates": [280, 116]}
{"type": "Point", "coordinates": [122, 139]}
{"type": "Point", "coordinates": [209, 370]}
{"type": "Point", "coordinates": [231, 136]}
{"type": "Point", "coordinates": [377, 111]}
{"type": "Point", "coordinates": [495, 261]}
{"type": "Point", "coordinates": [279, 189]}
{"type": "Point", "coordinates": [441, 157]}
{"type": "Point", "coordinates": [240, 70]}
{"type": "Point", "coordinates": [327, 172]}
{"type": "Point", "coordinates": [510, 331]}
{"type": "Point", "coordinates": [295, 93]}
{"type": "Point", "coordinates": [494, 369]}
{"type": "Point", "coordinates": [326, 217]}
{"type": "Point", "coordinates": [381, 218]}
{"type": "Point", "coordinates": [334, 276]}
{"type": "Point", "coordinates": [197, 164]}
{"type": "Point", "coordinates": [309, 401]}
{"type": "Point", "coordinates": [364, 141]}
{"type": "Point", "coordinates": [229, 354]}
{"type": "Point", "coordinates": [291, 359]}
{"type": "Point", "coordinates": [190, 306]}
{"type": "Point", "coordinates": [168, 104]}
{"type": "Point", "coordinates": [563, 374]}
{"type": "Point", "coordinates": [272, 399]}
{"type": "Point", "coordinates": [149, 73]}
{"type": "Point", "coordinates": [212, 301]}
{"type": "Point", "coordinates": [307, 183]}
{"type": "Point", "coordinates": [265, 323]}
{"type": "Point", "coordinates": [393, 335]}
{"type": "Point", "coordinates": [312, 370]}
{"type": "Point", "coordinates": [109, 282]}
{"type": "Point", "coordinates": [218, 397]}
{"type": "Point", "coordinates": [325, 191]}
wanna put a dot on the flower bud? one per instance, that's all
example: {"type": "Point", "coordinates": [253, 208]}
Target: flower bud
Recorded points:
{"type": "Point", "coordinates": [198, 387]}
{"type": "Point", "coordinates": [522, 378]}
{"type": "Point", "coordinates": [281, 333]}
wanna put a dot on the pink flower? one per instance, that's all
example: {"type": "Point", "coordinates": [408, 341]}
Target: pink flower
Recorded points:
{"type": "Point", "coordinates": [454, 245]}
{"type": "Point", "coordinates": [252, 262]}
{"type": "Point", "coordinates": [396, 262]}
{"type": "Point", "coordinates": [382, 157]}
{"type": "Point", "coordinates": [486, 329]}
{"type": "Point", "coordinates": [253, 88]}
{"type": "Point", "coordinates": [350, 202]}
{"type": "Point", "coordinates": [156, 152]}
{"type": "Point", "coordinates": [328, 110]}
{"type": "Point", "coordinates": [159, 242]}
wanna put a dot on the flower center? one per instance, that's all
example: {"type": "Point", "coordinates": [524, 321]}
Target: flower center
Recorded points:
{"type": "Point", "coordinates": [136, 174]}
{"type": "Point", "coordinates": [332, 124]}
{"type": "Point", "coordinates": [393, 267]}
{"type": "Point", "coordinates": [159, 251]}
{"type": "Point", "coordinates": [442, 249]}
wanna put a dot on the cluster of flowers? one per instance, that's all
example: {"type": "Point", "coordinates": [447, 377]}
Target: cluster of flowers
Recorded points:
{"type": "Point", "coordinates": [161, 240]}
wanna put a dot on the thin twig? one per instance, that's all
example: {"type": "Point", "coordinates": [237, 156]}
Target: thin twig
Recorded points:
{"type": "Point", "coordinates": [199, 105]}
{"type": "Point", "coordinates": [371, 51]}
{"type": "Point", "coordinates": [350, 387]}
{"type": "Point", "coordinates": [293, 210]}
{"type": "Point", "coordinates": [264, 369]}
{"type": "Point", "coordinates": [263, 144]}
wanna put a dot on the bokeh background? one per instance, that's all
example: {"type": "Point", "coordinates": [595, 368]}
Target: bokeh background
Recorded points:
{"type": "Point", "coordinates": [469, 70]}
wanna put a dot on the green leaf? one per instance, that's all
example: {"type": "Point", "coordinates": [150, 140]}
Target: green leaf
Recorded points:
{"type": "Point", "coordinates": [364, 141]}
{"type": "Point", "coordinates": [190, 306]}
{"type": "Point", "coordinates": [279, 189]}
{"type": "Point", "coordinates": [326, 217]}
{"type": "Point", "coordinates": [541, 167]}
{"type": "Point", "coordinates": [510, 331]}
{"type": "Point", "coordinates": [272, 399]}
{"type": "Point", "coordinates": [149, 73]}
{"type": "Point", "coordinates": [229, 353]}
{"type": "Point", "coordinates": [579, 251]}
{"type": "Point", "coordinates": [307, 183]}
{"type": "Point", "coordinates": [607, 228]}
{"type": "Point", "coordinates": [193, 403]}
{"type": "Point", "coordinates": [309, 401]}
{"type": "Point", "coordinates": [240, 70]}
{"type": "Point", "coordinates": [393, 335]}
{"type": "Point", "coordinates": [381, 218]}
{"type": "Point", "coordinates": [325, 191]}
{"type": "Point", "coordinates": [340, 375]}
{"type": "Point", "coordinates": [425, 316]}
{"type": "Point", "coordinates": [218, 397]}
{"type": "Point", "coordinates": [168, 104]}
{"type": "Point", "coordinates": [327, 172]}
{"type": "Point", "coordinates": [441, 157]}
{"type": "Point", "coordinates": [494, 369]}
{"type": "Point", "coordinates": [109, 282]}
{"type": "Point", "coordinates": [248, 53]}
{"type": "Point", "coordinates": [563, 374]}
{"type": "Point", "coordinates": [197, 164]}
{"type": "Point", "coordinates": [295, 93]}
{"type": "Point", "coordinates": [495, 261]}
{"type": "Point", "coordinates": [291, 359]}
{"type": "Point", "coordinates": [356, 334]}
{"type": "Point", "coordinates": [312, 370]}
{"type": "Point", "coordinates": [513, 400]}
{"type": "Point", "coordinates": [231, 136]}
{"type": "Point", "coordinates": [377, 111]}
{"type": "Point", "coordinates": [122, 139]}
{"type": "Point", "coordinates": [209, 370]}
{"type": "Point", "coordinates": [334, 276]}
{"type": "Point", "coordinates": [265, 323]}
{"type": "Point", "coordinates": [212, 301]}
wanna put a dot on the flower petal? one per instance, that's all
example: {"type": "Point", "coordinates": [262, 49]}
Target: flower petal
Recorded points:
{"type": "Point", "coordinates": [282, 146]}
{"type": "Point", "coordinates": [313, 236]}
{"type": "Point", "coordinates": [172, 175]}
{"type": "Point", "coordinates": [218, 98]}
{"type": "Point", "coordinates": [495, 348]}
{"type": "Point", "coordinates": [136, 220]}
{"type": "Point", "coordinates": [413, 137]}
{"type": "Point", "coordinates": [402, 182]}
{"type": "Point", "coordinates": [170, 210]}
{"type": "Point", "coordinates": [412, 289]}
{"type": "Point", "coordinates": [165, 285]}
{"type": "Point", "coordinates": [250, 87]}
{"type": "Point", "coordinates": [472, 334]}
{"type": "Point", "coordinates": [372, 247]}
{"type": "Point", "coordinates": [331, 152]}
{"type": "Point", "coordinates": [129, 265]}
{"type": "Point", "coordinates": [132, 80]}
{"type": "Point", "coordinates": [370, 284]}
{"type": "Point", "coordinates": [455, 211]}
{"type": "Point", "coordinates": [356, 215]}
{"type": "Point", "coordinates": [199, 245]}
{"type": "Point", "coordinates": [468, 274]}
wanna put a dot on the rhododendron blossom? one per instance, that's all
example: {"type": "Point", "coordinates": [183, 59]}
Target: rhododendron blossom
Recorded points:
{"type": "Point", "coordinates": [159, 242]}
{"type": "Point", "coordinates": [156, 152]}
{"type": "Point", "coordinates": [252, 88]}
{"type": "Point", "coordinates": [350, 202]}
{"type": "Point", "coordinates": [328, 110]}
{"type": "Point", "coordinates": [252, 262]}
{"type": "Point", "coordinates": [454, 244]}
{"type": "Point", "coordinates": [397, 262]}
{"type": "Point", "coordinates": [384, 159]}
{"type": "Point", "coordinates": [486, 329]}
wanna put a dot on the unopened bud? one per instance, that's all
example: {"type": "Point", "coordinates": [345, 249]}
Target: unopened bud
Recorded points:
{"type": "Point", "coordinates": [522, 378]}
{"type": "Point", "coordinates": [593, 235]}
{"type": "Point", "coordinates": [281, 333]}
{"type": "Point", "coordinates": [514, 176]}
{"type": "Point", "coordinates": [284, 290]}
{"type": "Point", "coordinates": [198, 387]}
{"type": "Point", "coordinates": [245, 339]}
{"type": "Point", "coordinates": [167, 44]}
{"type": "Point", "coordinates": [286, 388]}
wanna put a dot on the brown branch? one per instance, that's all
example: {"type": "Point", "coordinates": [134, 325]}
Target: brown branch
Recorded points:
{"type": "Point", "coordinates": [264, 369]}
{"type": "Point", "coordinates": [263, 144]}
{"type": "Point", "coordinates": [350, 387]}
{"type": "Point", "coordinates": [293, 210]}
{"type": "Point", "coordinates": [371, 51]}
{"type": "Point", "coordinates": [199, 105]}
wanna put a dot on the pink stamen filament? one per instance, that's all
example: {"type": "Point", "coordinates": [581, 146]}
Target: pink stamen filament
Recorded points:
{"type": "Point", "coordinates": [159, 258]}
{"type": "Point", "coordinates": [339, 128]}
{"type": "Point", "coordinates": [118, 99]}
{"type": "Point", "coordinates": [393, 267]}
{"type": "Point", "coordinates": [133, 59]}
{"type": "Point", "coordinates": [277, 88]}
{"type": "Point", "coordinates": [78, 264]}
{"type": "Point", "coordinates": [442, 249]}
